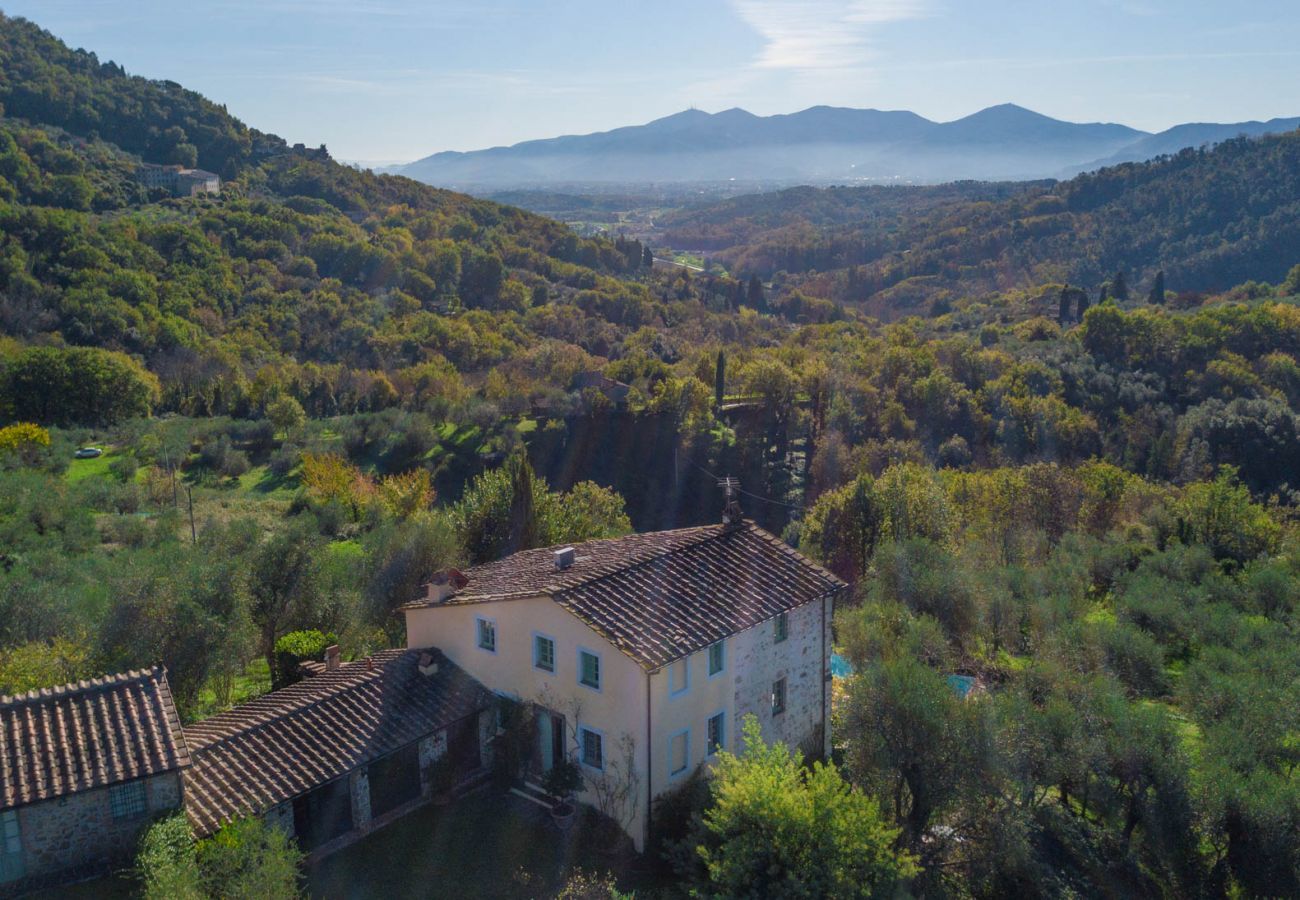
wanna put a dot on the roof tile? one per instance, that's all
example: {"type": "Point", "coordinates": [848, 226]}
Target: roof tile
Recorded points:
{"type": "Point", "coordinates": [293, 740]}
{"type": "Point", "coordinates": [660, 595]}
{"type": "Point", "coordinates": [58, 741]}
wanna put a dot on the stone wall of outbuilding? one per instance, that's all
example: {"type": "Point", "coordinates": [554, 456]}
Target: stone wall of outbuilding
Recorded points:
{"type": "Point", "coordinates": [77, 834]}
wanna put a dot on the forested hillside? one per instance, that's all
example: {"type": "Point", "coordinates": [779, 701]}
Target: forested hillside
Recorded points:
{"type": "Point", "coordinates": [320, 386]}
{"type": "Point", "coordinates": [1209, 219]}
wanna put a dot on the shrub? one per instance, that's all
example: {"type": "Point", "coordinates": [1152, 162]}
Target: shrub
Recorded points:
{"type": "Point", "coordinates": [249, 859]}
{"type": "Point", "coordinates": [777, 829]}
{"type": "Point", "coordinates": [296, 648]}
{"type": "Point", "coordinates": [166, 863]}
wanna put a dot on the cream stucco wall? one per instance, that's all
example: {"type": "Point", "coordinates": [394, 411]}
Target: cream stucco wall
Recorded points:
{"type": "Point", "coordinates": [752, 662]}
{"type": "Point", "coordinates": [617, 710]}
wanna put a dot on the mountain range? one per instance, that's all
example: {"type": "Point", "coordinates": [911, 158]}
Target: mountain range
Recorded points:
{"type": "Point", "coordinates": [821, 144]}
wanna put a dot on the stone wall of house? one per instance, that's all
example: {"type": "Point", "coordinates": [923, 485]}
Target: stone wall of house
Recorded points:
{"type": "Point", "coordinates": [759, 661]}
{"type": "Point", "coordinates": [684, 696]}
{"type": "Point", "coordinates": [359, 785]}
{"type": "Point", "coordinates": [281, 816]}
{"type": "Point", "coordinates": [78, 831]}
{"type": "Point", "coordinates": [431, 749]}
{"type": "Point", "coordinates": [829, 638]}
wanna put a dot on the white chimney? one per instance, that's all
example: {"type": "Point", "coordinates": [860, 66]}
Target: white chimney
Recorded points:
{"type": "Point", "coordinates": [428, 666]}
{"type": "Point", "coordinates": [443, 584]}
{"type": "Point", "coordinates": [564, 557]}
{"type": "Point", "coordinates": [332, 658]}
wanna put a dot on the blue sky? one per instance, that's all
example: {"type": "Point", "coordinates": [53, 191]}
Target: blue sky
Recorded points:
{"type": "Point", "coordinates": [387, 80]}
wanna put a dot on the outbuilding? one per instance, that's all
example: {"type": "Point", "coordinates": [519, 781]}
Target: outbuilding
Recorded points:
{"type": "Point", "coordinates": [83, 769]}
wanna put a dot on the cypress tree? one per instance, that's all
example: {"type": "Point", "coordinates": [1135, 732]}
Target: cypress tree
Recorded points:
{"type": "Point", "coordinates": [720, 380]}
{"type": "Point", "coordinates": [1158, 289]}
{"type": "Point", "coordinates": [756, 298]}
{"type": "Point", "coordinates": [1063, 314]}
{"type": "Point", "coordinates": [1119, 286]}
{"type": "Point", "coordinates": [523, 525]}
{"type": "Point", "coordinates": [1082, 296]}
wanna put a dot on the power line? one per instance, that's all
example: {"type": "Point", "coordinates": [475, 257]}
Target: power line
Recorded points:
{"type": "Point", "coordinates": [749, 493]}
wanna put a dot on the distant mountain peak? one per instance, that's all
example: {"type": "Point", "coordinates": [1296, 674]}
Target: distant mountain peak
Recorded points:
{"type": "Point", "coordinates": [820, 144]}
{"type": "Point", "coordinates": [687, 115]}
{"type": "Point", "coordinates": [1007, 109]}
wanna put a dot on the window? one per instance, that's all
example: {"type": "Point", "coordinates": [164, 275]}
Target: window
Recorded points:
{"type": "Point", "coordinates": [716, 659]}
{"type": "Point", "coordinates": [487, 635]}
{"type": "Point", "coordinates": [778, 696]}
{"type": "Point", "coordinates": [544, 652]}
{"type": "Point", "coordinates": [126, 801]}
{"type": "Point", "coordinates": [781, 628]}
{"type": "Point", "coordinates": [11, 847]}
{"type": "Point", "coordinates": [593, 748]}
{"type": "Point", "coordinates": [679, 752]}
{"type": "Point", "coordinates": [717, 733]}
{"type": "Point", "coordinates": [679, 676]}
{"type": "Point", "coordinates": [589, 669]}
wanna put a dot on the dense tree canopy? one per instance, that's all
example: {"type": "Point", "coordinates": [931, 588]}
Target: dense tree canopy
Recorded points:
{"type": "Point", "coordinates": [1070, 527]}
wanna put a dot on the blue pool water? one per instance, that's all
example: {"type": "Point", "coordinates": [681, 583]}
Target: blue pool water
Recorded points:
{"type": "Point", "coordinates": [960, 684]}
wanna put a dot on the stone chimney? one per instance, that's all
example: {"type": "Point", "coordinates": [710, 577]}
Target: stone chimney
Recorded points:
{"type": "Point", "coordinates": [332, 658]}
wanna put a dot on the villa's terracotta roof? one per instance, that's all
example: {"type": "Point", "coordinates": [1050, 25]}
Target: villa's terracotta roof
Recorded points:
{"type": "Point", "coordinates": [298, 738]}
{"type": "Point", "coordinates": [661, 595]}
{"type": "Point", "coordinates": [91, 734]}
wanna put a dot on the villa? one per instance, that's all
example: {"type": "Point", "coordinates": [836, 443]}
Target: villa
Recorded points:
{"type": "Point", "coordinates": [634, 658]}
{"type": "Point", "coordinates": [645, 652]}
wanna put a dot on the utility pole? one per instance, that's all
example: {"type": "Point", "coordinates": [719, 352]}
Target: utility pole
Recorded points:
{"type": "Point", "coordinates": [189, 492]}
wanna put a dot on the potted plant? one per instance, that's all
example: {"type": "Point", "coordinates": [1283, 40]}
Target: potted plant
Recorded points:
{"type": "Point", "coordinates": [560, 782]}
{"type": "Point", "coordinates": [442, 780]}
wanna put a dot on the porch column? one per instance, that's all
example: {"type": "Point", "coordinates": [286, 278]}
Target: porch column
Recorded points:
{"type": "Point", "coordinates": [359, 788]}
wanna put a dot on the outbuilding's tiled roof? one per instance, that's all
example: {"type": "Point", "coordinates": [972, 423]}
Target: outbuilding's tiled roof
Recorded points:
{"type": "Point", "coordinates": [91, 734]}
{"type": "Point", "coordinates": [298, 738]}
{"type": "Point", "coordinates": [661, 595]}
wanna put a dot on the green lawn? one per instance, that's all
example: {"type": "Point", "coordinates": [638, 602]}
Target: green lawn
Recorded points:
{"type": "Point", "coordinates": [79, 469]}
{"type": "Point", "coordinates": [255, 682]}
{"type": "Point", "coordinates": [259, 479]}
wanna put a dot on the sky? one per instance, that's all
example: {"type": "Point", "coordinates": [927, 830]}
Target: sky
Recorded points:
{"type": "Point", "coordinates": [383, 81]}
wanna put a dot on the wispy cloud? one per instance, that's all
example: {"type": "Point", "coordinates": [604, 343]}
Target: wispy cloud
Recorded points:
{"type": "Point", "coordinates": [1056, 62]}
{"type": "Point", "coordinates": [810, 35]}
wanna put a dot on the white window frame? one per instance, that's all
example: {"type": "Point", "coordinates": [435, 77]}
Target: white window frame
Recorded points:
{"type": "Point", "coordinates": [722, 658]}
{"type": "Point", "coordinates": [536, 659]}
{"type": "Point", "coordinates": [479, 622]}
{"type": "Point", "coordinates": [781, 628]}
{"type": "Point", "coordinates": [785, 695]}
{"type": "Point", "coordinates": [685, 668]}
{"type": "Point", "coordinates": [583, 730]}
{"type": "Point", "coordinates": [600, 670]}
{"type": "Point", "coordinates": [709, 750]}
{"type": "Point", "coordinates": [685, 735]}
